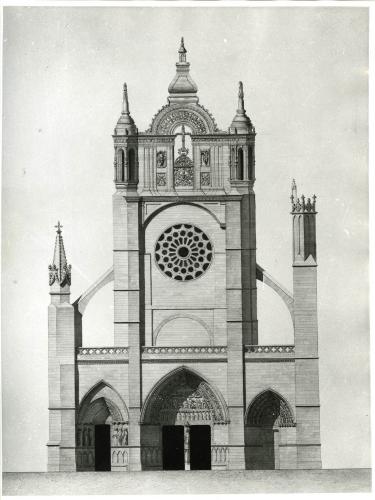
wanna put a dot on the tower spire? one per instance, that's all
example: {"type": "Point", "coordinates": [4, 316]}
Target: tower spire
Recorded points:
{"type": "Point", "coordinates": [59, 270]}
{"type": "Point", "coordinates": [125, 101]}
{"type": "Point", "coordinates": [125, 124]}
{"type": "Point", "coordinates": [294, 191]}
{"type": "Point", "coordinates": [182, 88]}
{"type": "Point", "coordinates": [182, 51]}
{"type": "Point", "coordinates": [241, 123]}
{"type": "Point", "coordinates": [241, 105]}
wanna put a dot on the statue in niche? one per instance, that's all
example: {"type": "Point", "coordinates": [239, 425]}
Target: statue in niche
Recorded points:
{"type": "Point", "coordinates": [89, 436]}
{"type": "Point", "coordinates": [84, 437]}
{"type": "Point", "coordinates": [161, 157]}
{"type": "Point", "coordinates": [205, 157]}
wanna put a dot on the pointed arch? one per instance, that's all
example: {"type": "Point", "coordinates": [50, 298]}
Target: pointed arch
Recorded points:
{"type": "Point", "coordinates": [174, 204]}
{"type": "Point", "coordinates": [132, 175]}
{"type": "Point", "coordinates": [102, 402]}
{"type": "Point", "coordinates": [268, 410]}
{"type": "Point", "coordinates": [240, 164]}
{"type": "Point", "coordinates": [181, 393]}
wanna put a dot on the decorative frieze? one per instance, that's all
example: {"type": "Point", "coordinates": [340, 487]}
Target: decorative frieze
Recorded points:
{"type": "Point", "coordinates": [269, 349]}
{"type": "Point", "coordinates": [219, 455]}
{"type": "Point", "coordinates": [151, 456]}
{"type": "Point", "coordinates": [87, 351]}
{"type": "Point", "coordinates": [119, 457]}
{"type": "Point", "coordinates": [187, 350]}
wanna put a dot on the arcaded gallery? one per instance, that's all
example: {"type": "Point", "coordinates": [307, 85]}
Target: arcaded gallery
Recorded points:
{"type": "Point", "coordinates": [186, 384]}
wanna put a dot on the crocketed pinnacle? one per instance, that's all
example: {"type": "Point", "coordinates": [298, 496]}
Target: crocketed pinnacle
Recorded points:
{"type": "Point", "coordinates": [241, 123]}
{"type": "Point", "coordinates": [294, 190]}
{"type": "Point", "coordinates": [125, 124]}
{"type": "Point", "coordinates": [59, 270]}
{"type": "Point", "coordinates": [182, 88]}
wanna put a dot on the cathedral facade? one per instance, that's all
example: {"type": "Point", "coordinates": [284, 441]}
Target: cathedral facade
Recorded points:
{"type": "Point", "coordinates": [186, 384]}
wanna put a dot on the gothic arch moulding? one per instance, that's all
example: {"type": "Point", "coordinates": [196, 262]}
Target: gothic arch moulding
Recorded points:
{"type": "Point", "coordinates": [206, 332]}
{"type": "Point", "coordinates": [184, 396]}
{"type": "Point", "coordinates": [171, 116]}
{"type": "Point", "coordinates": [101, 403]}
{"type": "Point", "coordinates": [174, 204]}
{"type": "Point", "coordinates": [269, 409]}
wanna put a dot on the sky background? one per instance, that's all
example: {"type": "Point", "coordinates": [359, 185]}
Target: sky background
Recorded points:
{"type": "Point", "coordinates": [305, 74]}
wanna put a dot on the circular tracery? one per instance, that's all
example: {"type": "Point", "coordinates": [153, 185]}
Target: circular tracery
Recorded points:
{"type": "Point", "coordinates": [183, 252]}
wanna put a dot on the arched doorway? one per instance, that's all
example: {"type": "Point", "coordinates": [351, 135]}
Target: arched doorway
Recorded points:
{"type": "Point", "coordinates": [102, 431]}
{"type": "Point", "coordinates": [267, 419]}
{"type": "Point", "coordinates": [184, 424]}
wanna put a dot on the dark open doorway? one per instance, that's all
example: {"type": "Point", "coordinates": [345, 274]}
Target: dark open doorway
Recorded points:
{"type": "Point", "coordinates": [102, 447]}
{"type": "Point", "coordinates": [200, 447]}
{"type": "Point", "coordinates": [173, 447]}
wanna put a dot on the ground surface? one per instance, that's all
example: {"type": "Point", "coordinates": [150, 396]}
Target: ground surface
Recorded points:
{"type": "Point", "coordinates": [203, 482]}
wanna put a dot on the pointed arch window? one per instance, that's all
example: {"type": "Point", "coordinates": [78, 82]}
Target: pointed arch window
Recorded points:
{"type": "Point", "coordinates": [132, 166]}
{"type": "Point", "coordinates": [122, 165]}
{"type": "Point", "coordinates": [240, 165]}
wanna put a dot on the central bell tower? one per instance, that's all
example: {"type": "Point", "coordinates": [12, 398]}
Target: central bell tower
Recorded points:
{"type": "Point", "coordinates": [185, 173]}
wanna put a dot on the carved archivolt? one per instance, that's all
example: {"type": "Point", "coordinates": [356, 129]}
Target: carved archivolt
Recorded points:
{"type": "Point", "coordinates": [170, 116]}
{"type": "Point", "coordinates": [269, 410]}
{"type": "Point", "coordinates": [184, 397]}
{"type": "Point", "coordinates": [102, 403]}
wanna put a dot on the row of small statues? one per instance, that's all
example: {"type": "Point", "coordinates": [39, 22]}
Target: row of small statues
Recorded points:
{"type": "Point", "coordinates": [119, 435]}
{"type": "Point", "coordinates": [85, 435]}
{"type": "Point", "coordinates": [161, 158]}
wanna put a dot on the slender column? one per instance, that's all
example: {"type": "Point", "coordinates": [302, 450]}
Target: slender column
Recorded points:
{"type": "Point", "coordinates": [187, 446]}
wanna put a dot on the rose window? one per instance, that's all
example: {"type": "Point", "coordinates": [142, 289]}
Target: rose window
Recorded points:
{"type": "Point", "coordinates": [183, 252]}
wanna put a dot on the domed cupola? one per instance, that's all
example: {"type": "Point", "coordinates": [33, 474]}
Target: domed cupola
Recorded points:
{"type": "Point", "coordinates": [241, 123]}
{"type": "Point", "coordinates": [182, 88]}
{"type": "Point", "coordinates": [125, 124]}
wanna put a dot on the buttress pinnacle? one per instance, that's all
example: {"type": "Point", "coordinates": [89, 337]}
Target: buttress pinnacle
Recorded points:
{"type": "Point", "coordinates": [59, 270]}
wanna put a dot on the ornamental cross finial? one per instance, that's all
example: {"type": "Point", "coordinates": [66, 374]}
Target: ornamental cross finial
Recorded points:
{"type": "Point", "coordinates": [58, 226]}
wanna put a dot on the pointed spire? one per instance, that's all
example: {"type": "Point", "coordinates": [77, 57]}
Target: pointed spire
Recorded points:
{"type": "Point", "coordinates": [294, 189]}
{"type": "Point", "coordinates": [241, 123]}
{"type": "Point", "coordinates": [182, 88]}
{"type": "Point", "coordinates": [241, 105]}
{"type": "Point", "coordinates": [125, 124]}
{"type": "Point", "coordinates": [182, 51]}
{"type": "Point", "coordinates": [125, 101]}
{"type": "Point", "coordinates": [59, 270]}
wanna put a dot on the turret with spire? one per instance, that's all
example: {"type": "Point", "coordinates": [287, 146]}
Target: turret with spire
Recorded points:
{"type": "Point", "coordinates": [59, 270]}
{"type": "Point", "coordinates": [182, 88]}
{"type": "Point", "coordinates": [241, 123]}
{"type": "Point", "coordinates": [125, 124]}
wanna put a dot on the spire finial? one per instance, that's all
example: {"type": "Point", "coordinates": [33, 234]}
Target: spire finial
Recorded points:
{"type": "Point", "coordinates": [58, 227]}
{"type": "Point", "coordinates": [241, 105]}
{"type": "Point", "coordinates": [294, 189]}
{"type": "Point", "coordinates": [59, 270]}
{"type": "Point", "coordinates": [125, 102]}
{"type": "Point", "coordinates": [182, 51]}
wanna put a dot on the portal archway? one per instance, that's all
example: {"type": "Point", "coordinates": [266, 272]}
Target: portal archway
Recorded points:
{"type": "Point", "coordinates": [102, 430]}
{"type": "Point", "coordinates": [266, 420]}
{"type": "Point", "coordinates": [180, 400]}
